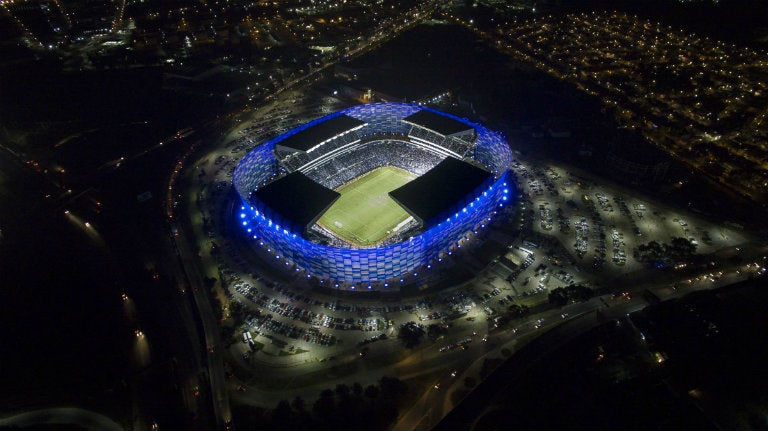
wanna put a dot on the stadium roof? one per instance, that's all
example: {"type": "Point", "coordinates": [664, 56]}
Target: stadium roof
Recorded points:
{"type": "Point", "coordinates": [321, 132]}
{"type": "Point", "coordinates": [296, 198]}
{"type": "Point", "coordinates": [440, 189]}
{"type": "Point", "coordinates": [441, 124]}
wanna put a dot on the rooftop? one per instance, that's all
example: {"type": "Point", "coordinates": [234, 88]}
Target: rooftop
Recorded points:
{"type": "Point", "coordinates": [441, 124]}
{"type": "Point", "coordinates": [320, 132]}
{"type": "Point", "coordinates": [440, 190]}
{"type": "Point", "coordinates": [296, 199]}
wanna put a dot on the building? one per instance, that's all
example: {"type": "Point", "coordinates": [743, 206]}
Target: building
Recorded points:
{"type": "Point", "coordinates": [286, 184]}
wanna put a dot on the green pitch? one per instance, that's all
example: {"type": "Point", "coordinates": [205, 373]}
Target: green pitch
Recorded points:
{"type": "Point", "coordinates": [364, 214]}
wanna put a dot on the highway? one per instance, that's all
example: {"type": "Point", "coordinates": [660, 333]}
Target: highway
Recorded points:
{"type": "Point", "coordinates": [436, 403]}
{"type": "Point", "coordinates": [214, 356]}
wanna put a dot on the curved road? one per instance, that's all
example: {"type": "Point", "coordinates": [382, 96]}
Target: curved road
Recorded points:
{"type": "Point", "coordinates": [434, 405]}
{"type": "Point", "coordinates": [62, 415]}
{"type": "Point", "coordinates": [214, 357]}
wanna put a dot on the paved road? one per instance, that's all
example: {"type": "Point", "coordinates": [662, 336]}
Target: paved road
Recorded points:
{"type": "Point", "coordinates": [214, 347]}
{"type": "Point", "coordinates": [435, 404]}
{"type": "Point", "coordinates": [61, 416]}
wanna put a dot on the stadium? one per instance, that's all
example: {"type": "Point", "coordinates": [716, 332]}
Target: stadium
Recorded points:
{"type": "Point", "coordinates": [373, 194]}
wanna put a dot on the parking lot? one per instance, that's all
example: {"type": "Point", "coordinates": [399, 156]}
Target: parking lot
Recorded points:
{"type": "Point", "coordinates": [574, 229]}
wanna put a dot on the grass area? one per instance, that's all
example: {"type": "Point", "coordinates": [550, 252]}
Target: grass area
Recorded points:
{"type": "Point", "coordinates": [364, 214]}
{"type": "Point", "coordinates": [532, 300]}
{"type": "Point", "coordinates": [379, 359]}
{"type": "Point", "coordinates": [339, 371]}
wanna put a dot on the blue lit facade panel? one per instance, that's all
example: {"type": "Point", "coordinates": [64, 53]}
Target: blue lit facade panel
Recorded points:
{"type": "Point", "coordinates": [362, 265]}
{"type": "Point", "coordinates": [353, 265]}
{"type": "Point", "coordinates": [383, 118]}
{"type": "Point", "coordinates": [255, 169]}
{"type": "Point", "coordinates": [492, 150]}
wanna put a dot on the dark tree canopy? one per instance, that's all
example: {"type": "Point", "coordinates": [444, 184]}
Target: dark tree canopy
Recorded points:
{"type": "Point", "coordinates": [411, 334]}
{"type": "Point", "coordinates": [571, 293]}
{"type": "Point", "coordinates": [654, 253]}
{"type": "Point", "coordinates": [351, 408]}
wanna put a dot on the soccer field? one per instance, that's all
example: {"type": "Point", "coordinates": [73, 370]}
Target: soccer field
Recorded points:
{"type": "Point", "coordinates": [364, 214]}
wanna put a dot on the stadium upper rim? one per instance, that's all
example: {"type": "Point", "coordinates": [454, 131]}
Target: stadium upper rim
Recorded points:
{"type": "Point", "coordinates": [377, 122]}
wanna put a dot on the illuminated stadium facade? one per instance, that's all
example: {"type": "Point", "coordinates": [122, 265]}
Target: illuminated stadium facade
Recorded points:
{"type": "Point", "coordinates": [461, 180]}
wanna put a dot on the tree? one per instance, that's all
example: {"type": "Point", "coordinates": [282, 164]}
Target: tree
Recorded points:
{"type": "Point", "coordinates": [392, 387]}
{"type": "Point", "coordinates": [681, 248]}
{"type": "Point", "coordinates": [578, 292]}
{"type": "Point", "coordinates": [209, 282]}
{"type": "Point", "coordinates": [516, 310]}
{"type": "Point", "coordinates": [435, 330]}
{"type": "Point", "coordinates": [357, 389]}
{"type": "Point", "coordinates": [650, 252]}
{"type": "Point", "coordinates": [282, 414]}
{"type": "Point", "coordinates": [678, 249]}
{"type": "Point", "coordinates": [325, 405]}
{"type": "Point", "coordinates": [373, 408]}
{"type": "Point", "coordinates": [238, 311]}
{"type": "Point", "coordinates": [387, 413]}
{"type": "Point", "coordinates": [558, 297]}
{"type": "Point", "coordinates": [372, 392]}
{"type": "Point", "coordinates": [218, 306]}
{"type": "Point", "coordinates": [571, 293]}
{"type": "Point", "coordinates": [298, 404]}
{"type": "Point", "coordinates": [411, 334]}
{"type": "Point", "coordinates": [228, 334]}
{"type": "Point", "coordinates": [343, 392]}
{"type": "Point", "coordinates": [301, 419]}
{"type": "Point", "coordinates": [345, 415]}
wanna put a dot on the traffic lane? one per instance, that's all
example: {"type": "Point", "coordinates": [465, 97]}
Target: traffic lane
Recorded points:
{"type": "Point", "coordinates": [216, 378]}
{"type": "Point", "coordinates": [435, 403]}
